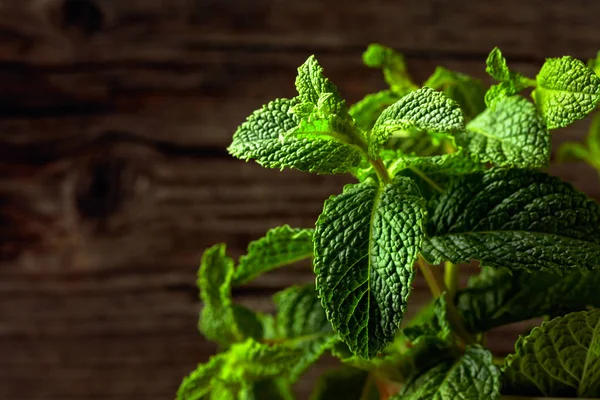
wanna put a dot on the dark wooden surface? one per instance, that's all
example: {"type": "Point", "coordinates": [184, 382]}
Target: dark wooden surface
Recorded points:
{"type": "Point", "coordinates": [114, 117]}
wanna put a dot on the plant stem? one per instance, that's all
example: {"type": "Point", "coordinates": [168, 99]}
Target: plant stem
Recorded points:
{"type": "Point", "coordinates": [451, 278]}
{"type": "Point", "coordinates": [438, 287]}
{"type": "Point", "coordinates": [426, 179]}
{"type": "Point", "coordinates": [382, 172]}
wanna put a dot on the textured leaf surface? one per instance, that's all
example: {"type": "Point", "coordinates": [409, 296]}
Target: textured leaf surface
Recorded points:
{"type": "Point", "coordinates": [518, 219]}
{"type": "Point", "coordinates": [510, 134]}
{"type": "Point", "coordinates": [281, 246]}
{"type": "Point", "coordinates": [566, 91]}
{"type": "Point", "coordinates": [217, 320]}
{"type": "Point", "coordinates": [511, 82]}
{"type": "Point", "coordinates": [465, 90]}
{"type": "Point", "coordinates": [425, 109]}
{"type": "Point", "coordinates": [312, 85]}
{"type": "Point", "coordinates": [393, 66]}
{"type": "Point", "coordinates": [496, 65]}
{"type": "Point", "coordinates": [472, 377]}
{"type": "Point", "coordinates": [367, 110]}
{"type": "Point", "coordinates": [560, 358]}
{"type": "Point", "coordinates": [366, 242]}
{"type": "Point", "coordinates": [264, 137]}
{"type": "Point", "coordinates": [498, 297]}
{"type": "Point", "coordinates": [301, 320]}
{"type": "Point", "coordinates": [199, 382]}
{"type": "Point", "coordinates": [344, 383]}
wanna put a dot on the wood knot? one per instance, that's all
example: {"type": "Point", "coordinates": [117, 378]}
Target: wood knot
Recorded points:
{"type": "Point", "coordinates": [102, 188]}
{"type": "Point", "coordinates": [84, 17]}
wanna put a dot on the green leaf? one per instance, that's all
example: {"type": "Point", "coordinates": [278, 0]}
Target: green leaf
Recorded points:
{"type": "Point", "coordinates": [200, 382]}
{"type": "Point", "coordinates": [345, 383]}
{"type": "Point", "coordinates": [281, 246]}
{"type": "Point", "coordinates": [498, 297]}
{"type": "Point", "coordinates": [217, 321]}
{"type": "Point", "coordinates": [435, 326]}
{"type": "Point", "coordinates": [314, 88]}
{"type": "Point", "coordinates": [393, 66]}
{"type": "Point", "coordinates": [511, 134]}
{"type": "Point", "coordinates": [511, 82]}
{"type": "Point", "coordinates": [560, 358]}
{"type": "Point", "coordinates": [264, 137]}
{"type": "Point", "coordinates": [465, 90]}
{"type": "Point", "coordinates": [589, 153]}
{"type": "Point", "coordinates": [425, 109]}
{"type": "Point", "coordinates": [518, 219]}
{"type": "Point", "coordinates": [594, 64]}
{"type": "Point", "coordinates": [566, 91]}
{"type": "Point", "coordinates": [367, 110]}
{"type": "Point", "coordinates": [272, 389]}
{"type": "Point", "coordinates": [366, 242]}
{"type": "Point", "coordinates": [302, 321]}
{"type": "Point", "coordinates": [473, 376]}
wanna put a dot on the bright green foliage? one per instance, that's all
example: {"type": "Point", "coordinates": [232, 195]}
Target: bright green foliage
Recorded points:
{"type": "Point", "coordinates": [594, 64]}
{"type": "Point", "coordinates": [560, 358]}
{"type": "Point", "coordinates": [345, 383]}
{"type": "Point", "coordinates": [230, 374]}
{"type": "Point", "coordinates": [279, 247]}
{"type": "Point", "coordinates": [510, 134]}
{"type": "Point", "coordinates": [393, 66]}
{"type": "Point", "coordinates": [472, 376]}
{"type": "Point", "coordinates": [366, 111]}
{"type": "Point", "coordinates": [518, 219]}
{"type": "Point", "coordinates": [566, 91]}
{"type": "Point", "coordinates": [511, 82]}
{"type": "Point", "coordinates": [499, 297]}
{"type": "Point", "coordinates": [217, 321]}
{"type": "Point", "coordinates": [424, 109]}
{"type": "Point", "coordinates": [302, 321]}
{"type": "Point", "coordinates": [366, 241]}
{"type": "Point", "coordinates": [588, 151]}
{"type": "Point", "coordinates": [264, 137]}
{"type": "Point", "coordinates": [466, 91]}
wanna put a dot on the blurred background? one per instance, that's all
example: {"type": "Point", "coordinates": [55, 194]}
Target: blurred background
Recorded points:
{"type": "Point", "coordinates": [114, 120]}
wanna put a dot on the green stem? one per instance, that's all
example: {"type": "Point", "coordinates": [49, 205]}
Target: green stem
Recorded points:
{"type": "Point", "coordinates": [438, 287]}
{"type": "Point", "coordinates": [427, 179]}
{"type": "Point", "coordinates": [382, 172]}
{"type": "Point", "coordinates": [451, 278]}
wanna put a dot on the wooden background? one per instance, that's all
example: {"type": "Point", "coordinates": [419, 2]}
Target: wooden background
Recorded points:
{"type": "Point", "coordinates": [114, 118]}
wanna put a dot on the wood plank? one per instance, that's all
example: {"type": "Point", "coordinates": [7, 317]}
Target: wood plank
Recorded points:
{"type": "Point", "coordinates": [70, 31]}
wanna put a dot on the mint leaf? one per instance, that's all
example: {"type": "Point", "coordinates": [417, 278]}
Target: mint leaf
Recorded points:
{"type": "Point", "coordinates": [345, 383]}
{"type": "Point", "coordinates": [264, 137]}
{"type": "Point", "coordinates": [217, 321]}
{"type": "Point", "coordinates": [314, 88]}
{"type": "Point", "coordinates": [367, 110]}
{"type": "Point", "coordinates": [302, 321]}
{"type": "Point", "coordinates": [594, 64]}
{"type": "Point", "coordinates": [435, 326]}
{"type": "Point", "coordinates": [465, 90]}
{"type": "Point", "coordinates": [472, 376]}
{"type": "Point", "coordinates": [425, 109]}
{"type": "Point", "coordinates": [393, 66]}
{"type": "Point", "coordinates": [588, 152]}
{"type": "Point", "coordinates": [559, 358]}
{"type": "Point", "coordinates": [511, 134]}
{"type": "Point", "coordinates": [272, 389]}
{"type": "Point", "coordinates": [366, 241]}
{"type": "Point", "coordinates": [199, 383]}
{"type": "Point", "coordinates": [566, 91]}
{"type": "Point", "coordinates": [511, 82]}
{"type": "Point", "coordinates": [518, 219]}
{"type": "Point", "coordinates": [281, 246]}
{"type": "Point", "coordinates": [498, 297]}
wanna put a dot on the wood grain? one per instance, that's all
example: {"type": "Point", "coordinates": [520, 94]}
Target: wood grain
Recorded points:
{"type": "Point", "coordinates": [114, 118]}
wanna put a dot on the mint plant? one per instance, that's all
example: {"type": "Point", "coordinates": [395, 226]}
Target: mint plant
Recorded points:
{"type": "Point", "coordinates": [447, 173]}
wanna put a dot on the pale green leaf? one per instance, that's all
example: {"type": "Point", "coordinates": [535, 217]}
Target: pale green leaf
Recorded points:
{"type": "Point", "coordinates": [511, 82]}
{"type": "Point", "coordinates": [281, 246]}
{"type": "Point", "coordinates": [498, 297]}
{"type": "Point", "coordinates": [366, 242]}
{"type": "Point", "coordinates": [314, 88]}
{"type": "Point", "coordinates": [301, 320]}
{"type": "Point", "coordinates": [472, 377]}
{"type": "Point", "coordinates": [518, 219]}
{"type": "Point", "coordinates": [560, 358]}
{"type": "Point", "coordinates": [594, 64]}
{"type": "Point", "coordinates": [496, 65]}
{"type": "Point", "coordinates": [367, 110]}
{"type": "Point", "coordinates": [465, 90]}
{"type": "Point", "coordinates": [393, 66]}
{"type": "Point", "coordinates": [511, 134]}
{"type": "Point", "coordinates": [264, 137]}
{"type": "Point", "coordinates": [566, 91]}
{"type": "Point", "coordinates": [424, 109]}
